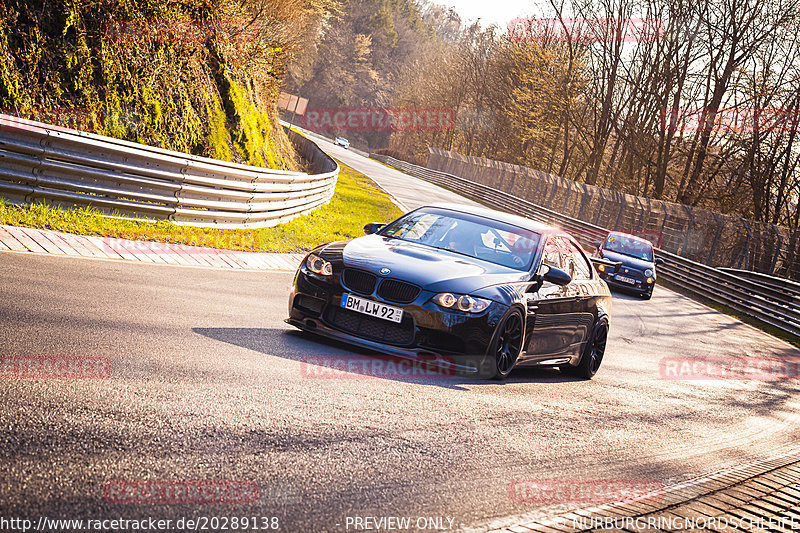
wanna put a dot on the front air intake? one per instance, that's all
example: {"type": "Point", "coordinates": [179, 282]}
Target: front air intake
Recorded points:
{"type": "Point", "coordinates": [359, 281]}
{"type": "Point", "coordinates": [398, 291]}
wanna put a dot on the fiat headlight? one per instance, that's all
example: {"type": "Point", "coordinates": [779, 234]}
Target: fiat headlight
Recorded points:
{"type": "Point", "coordinates": [463, 302]}
{"type": "Point", "coordinates": [648, 273]}
{"type": "Point", "coordinates": [318, 265]}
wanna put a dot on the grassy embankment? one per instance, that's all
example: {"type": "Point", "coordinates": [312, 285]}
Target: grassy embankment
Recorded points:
{"type": "Point", "coordinates": [199, 77]}
{"type": "Point", "coordinates": [357, 201]}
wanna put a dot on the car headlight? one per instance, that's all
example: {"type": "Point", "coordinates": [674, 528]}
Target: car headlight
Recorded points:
{"type": "Point", "coordinates": [464, 302]}
{"type": "Point", "coordinates": [648, 272]}
{"type": "Point", "coordinates": [318, 265]}
{"type": "Point", "coordinates": [445, 299]}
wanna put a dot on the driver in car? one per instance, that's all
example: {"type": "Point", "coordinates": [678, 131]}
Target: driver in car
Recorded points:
{"type": "Point", "coordinates": [521, 247]}
{"type": "Point", "coordinates": [461, 239]}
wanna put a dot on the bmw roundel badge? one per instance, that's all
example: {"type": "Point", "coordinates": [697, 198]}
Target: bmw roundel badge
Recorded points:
{"type": "Point", "coordinates": [385, 271]}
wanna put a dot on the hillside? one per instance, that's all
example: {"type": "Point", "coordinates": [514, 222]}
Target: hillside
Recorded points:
{"type": "Point", "coordinates": [193, 76]}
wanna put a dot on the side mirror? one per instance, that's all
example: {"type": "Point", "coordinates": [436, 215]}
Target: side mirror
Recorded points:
{"type": "Point", "coordinates": [597, 244]}
{"type": "Point", "coordinates": [373, 227]}
{"type": "Point", "coordinates": [604, 265]}
{"type": "Point", "coordinates": [659, 261]}
{"type": "Point", "coordinates": [554, 275]}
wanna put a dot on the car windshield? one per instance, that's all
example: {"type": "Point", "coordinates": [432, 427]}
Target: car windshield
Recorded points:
{"type": "Point", "coordinates": [626, 245]}
{"type": "Point", "coordinates": [474, 236]}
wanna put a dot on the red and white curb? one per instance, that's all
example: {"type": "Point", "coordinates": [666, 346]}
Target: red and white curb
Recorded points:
{"type": "Point", "coordinates": [20, 239]}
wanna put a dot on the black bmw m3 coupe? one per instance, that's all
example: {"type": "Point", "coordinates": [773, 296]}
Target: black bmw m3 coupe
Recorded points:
{"type": "Point", "coordinates": [468, 288]}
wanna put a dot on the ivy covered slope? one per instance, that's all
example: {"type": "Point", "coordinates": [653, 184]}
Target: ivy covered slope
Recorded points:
{"type": "Point", "coordinates": [194, 76]}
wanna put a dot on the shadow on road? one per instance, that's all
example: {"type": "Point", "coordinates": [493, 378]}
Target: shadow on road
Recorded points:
{"type": "Point", "coordinates": [626, 295]}
{"type": "Point", "coordinates": [324, 358]}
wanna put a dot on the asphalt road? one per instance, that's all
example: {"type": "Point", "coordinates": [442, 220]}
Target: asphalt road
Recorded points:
{"type": "Point", "coordinates": [208, 383]}
{"type": "Point", "coordinates": [411, 192]}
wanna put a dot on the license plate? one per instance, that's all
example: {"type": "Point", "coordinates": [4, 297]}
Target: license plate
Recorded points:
{"type": "Point", "coordinates": [625, 279]}
{"type": "Point", "coordinates": [368, 307]}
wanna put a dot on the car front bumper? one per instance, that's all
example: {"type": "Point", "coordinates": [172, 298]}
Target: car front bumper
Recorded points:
{"type": "Point", "coordinates": [641, 286]}
{"type": "Point", "coordinates": [428, 333]}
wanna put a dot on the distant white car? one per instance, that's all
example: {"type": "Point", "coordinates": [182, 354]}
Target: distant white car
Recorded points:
{"type": "Point", "coordinates": [341, 141]}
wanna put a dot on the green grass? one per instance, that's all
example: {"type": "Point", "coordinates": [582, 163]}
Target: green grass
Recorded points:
{"type": "Point", "coordinates": [357, 200]}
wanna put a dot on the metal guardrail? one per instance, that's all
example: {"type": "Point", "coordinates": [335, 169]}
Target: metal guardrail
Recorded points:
{"type": "Point", "coordinates": [768, 302]}
{"type": "Point", "coordinates": [782, 284]}
{"type": "Point", "coordinates": [696, 233]}
{"type": "Point", "coordinates": [48, 163]}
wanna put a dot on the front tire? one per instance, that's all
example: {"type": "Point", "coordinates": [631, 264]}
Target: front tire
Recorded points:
{"type": "Point", "coordinates": [506, 345]}
{"type": "Point", "coordinates": [592, 355]}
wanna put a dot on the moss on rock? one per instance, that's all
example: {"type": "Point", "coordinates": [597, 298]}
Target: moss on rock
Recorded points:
{"type": "Point", "coordinates": [160, 73]}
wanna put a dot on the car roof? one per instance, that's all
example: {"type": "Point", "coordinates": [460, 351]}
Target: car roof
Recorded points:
{"type": "Point", "coordinates": [493, 214]}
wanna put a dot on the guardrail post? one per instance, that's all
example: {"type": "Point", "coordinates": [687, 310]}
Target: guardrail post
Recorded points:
{"type": "Point", "coordinates": [663, 221]}
{"type": "Point", "coordinates": [777, 251]}
{"type": "Point", "coordinates": [690, 214]}
{"type": "Point", "coordinates": [716, 237]}
{"type": "Point", "coordinates": [746, 250]}
{"type": "Point", "coordinates": [566, 200]}
{"type": "Point", "coordinates": [600, 209]}
{"type": "Point", "coordinates": [539, 181]}
{"type": "Point", "coordinates": [553, 192]}
{"type": "Point", "coordinates": [622, 205]}
{"type": "Point", "coordinates": [584, 198]}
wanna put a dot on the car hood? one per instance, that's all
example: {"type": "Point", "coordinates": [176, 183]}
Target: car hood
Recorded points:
{"type": "Point", "coordinates": [433, 269]}
{"type": "Point", "coordinates": [628, 261]}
